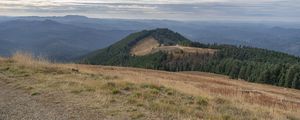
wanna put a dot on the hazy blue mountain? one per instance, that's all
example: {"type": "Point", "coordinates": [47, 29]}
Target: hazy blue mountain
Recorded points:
{"type": "Point", "coordinates": [6, 47]}
{"type": "Point", "coordinates": [53, 39]}
{"type": "Point", "coordinates": [283, 37]}
{"type": "Point", "coordinates": [267, 35]}
{"type": "Point", "coordinates": [4, 18]}
{"type": "Point", "coordinates": [274, 38]}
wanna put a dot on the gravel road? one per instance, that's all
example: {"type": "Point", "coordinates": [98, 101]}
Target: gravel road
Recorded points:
{"type": "Point", "coordinates": [16, 104]}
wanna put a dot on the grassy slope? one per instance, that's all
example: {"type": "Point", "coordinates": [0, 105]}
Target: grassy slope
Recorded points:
{"type": "Point", "coordinates": [129, 93]}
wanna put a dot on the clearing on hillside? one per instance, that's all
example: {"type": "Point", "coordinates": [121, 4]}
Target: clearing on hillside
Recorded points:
{"type": "Point", "coordinates": [150, 45]}
{"type": "Point", "coordinates": [144, 46]}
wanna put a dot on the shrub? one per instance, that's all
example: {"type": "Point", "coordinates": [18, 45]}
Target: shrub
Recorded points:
{"type": "Point", "coordinates": [202, 101]}
{"type": "Point", "coordinates": [35, 93]}
{"type": "Point", "coordinates": [115, 91]}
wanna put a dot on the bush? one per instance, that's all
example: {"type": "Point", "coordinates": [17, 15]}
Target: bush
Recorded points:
{"type": "Point", "coordinates": [115, 91]}
{"type": "Point", "coordinates": [202, 101]}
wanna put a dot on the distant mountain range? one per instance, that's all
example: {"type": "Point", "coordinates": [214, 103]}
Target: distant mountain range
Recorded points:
{"type": "Point", "coordinates": [164, 49]}
{"type": "Point", "coordinates": [65, 38]}
{"type": "Point", "coordinates": [53, 39]}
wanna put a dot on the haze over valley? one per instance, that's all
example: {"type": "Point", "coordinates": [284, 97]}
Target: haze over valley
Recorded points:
{"type": "Point", "coordinates": [78, 35]}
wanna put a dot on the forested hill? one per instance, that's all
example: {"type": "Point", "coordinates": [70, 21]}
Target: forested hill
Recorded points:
{"type": "Point", "coordinates": [239, 62]}
{"type": "Point", "coordinates": [115, 54]}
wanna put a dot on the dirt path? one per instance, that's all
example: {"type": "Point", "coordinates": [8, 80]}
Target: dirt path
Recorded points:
{"type": "Point", "coordinates": [16, 104]}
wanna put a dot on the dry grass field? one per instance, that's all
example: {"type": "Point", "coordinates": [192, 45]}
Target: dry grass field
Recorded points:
{"type": "Point", "coordinates": [32, 88]}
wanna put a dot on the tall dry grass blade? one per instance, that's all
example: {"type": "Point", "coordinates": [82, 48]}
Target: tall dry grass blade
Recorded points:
{"type": "Point", "coordinates": [28, 59]}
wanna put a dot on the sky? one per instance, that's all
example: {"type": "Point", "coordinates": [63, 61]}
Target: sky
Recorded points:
{"type": "Point", "coordinates": [194, 10]}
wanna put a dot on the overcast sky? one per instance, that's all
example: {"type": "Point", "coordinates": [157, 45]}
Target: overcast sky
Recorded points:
{"type": "Point", "coordinates": [254, 10]}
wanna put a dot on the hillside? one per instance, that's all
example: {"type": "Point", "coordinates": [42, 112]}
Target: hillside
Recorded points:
{"type": "Point", "coordinates": [115, 53]}
{"type": "Point", "coordinates": [36, 89]}
{"type": "Point", "coordinates": [164, 49]}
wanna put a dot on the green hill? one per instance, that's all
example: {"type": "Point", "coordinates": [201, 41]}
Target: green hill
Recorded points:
{"type": "Point", "coordinates": [174, 52]}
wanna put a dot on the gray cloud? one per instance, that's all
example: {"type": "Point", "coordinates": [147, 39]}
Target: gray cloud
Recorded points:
{"type": "Point", "coordinates": [282, 10]}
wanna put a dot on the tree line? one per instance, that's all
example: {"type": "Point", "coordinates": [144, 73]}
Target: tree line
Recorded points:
{"type": "Point", "coordinates": [244, 63]}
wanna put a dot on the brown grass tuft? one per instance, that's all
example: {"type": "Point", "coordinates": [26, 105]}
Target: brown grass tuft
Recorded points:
{"type": "Point", "coordinates": [29, 59]}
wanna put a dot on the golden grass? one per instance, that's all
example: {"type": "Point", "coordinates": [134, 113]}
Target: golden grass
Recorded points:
{"type": "Point", "coordinates": [140, 94]}
{"type": "Point", "coordinates": [274, 101]}
{"type": "Point", "coordinates": [28, 59]}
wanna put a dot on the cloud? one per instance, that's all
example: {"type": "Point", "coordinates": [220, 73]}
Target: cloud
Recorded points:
{"type": "Point", "coordinates": [285, 10]}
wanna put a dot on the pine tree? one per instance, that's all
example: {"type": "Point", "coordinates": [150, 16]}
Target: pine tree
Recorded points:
{"type": "Point", "coordinates": [291, 73]}
{"type": "Point", "coordinates": [242, 73]}
{"type": "Point", "coordinates": [296, 81]}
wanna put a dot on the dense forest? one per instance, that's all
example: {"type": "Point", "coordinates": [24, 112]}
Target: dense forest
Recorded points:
{"type": "Point", "coordinates": [238, 62]}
